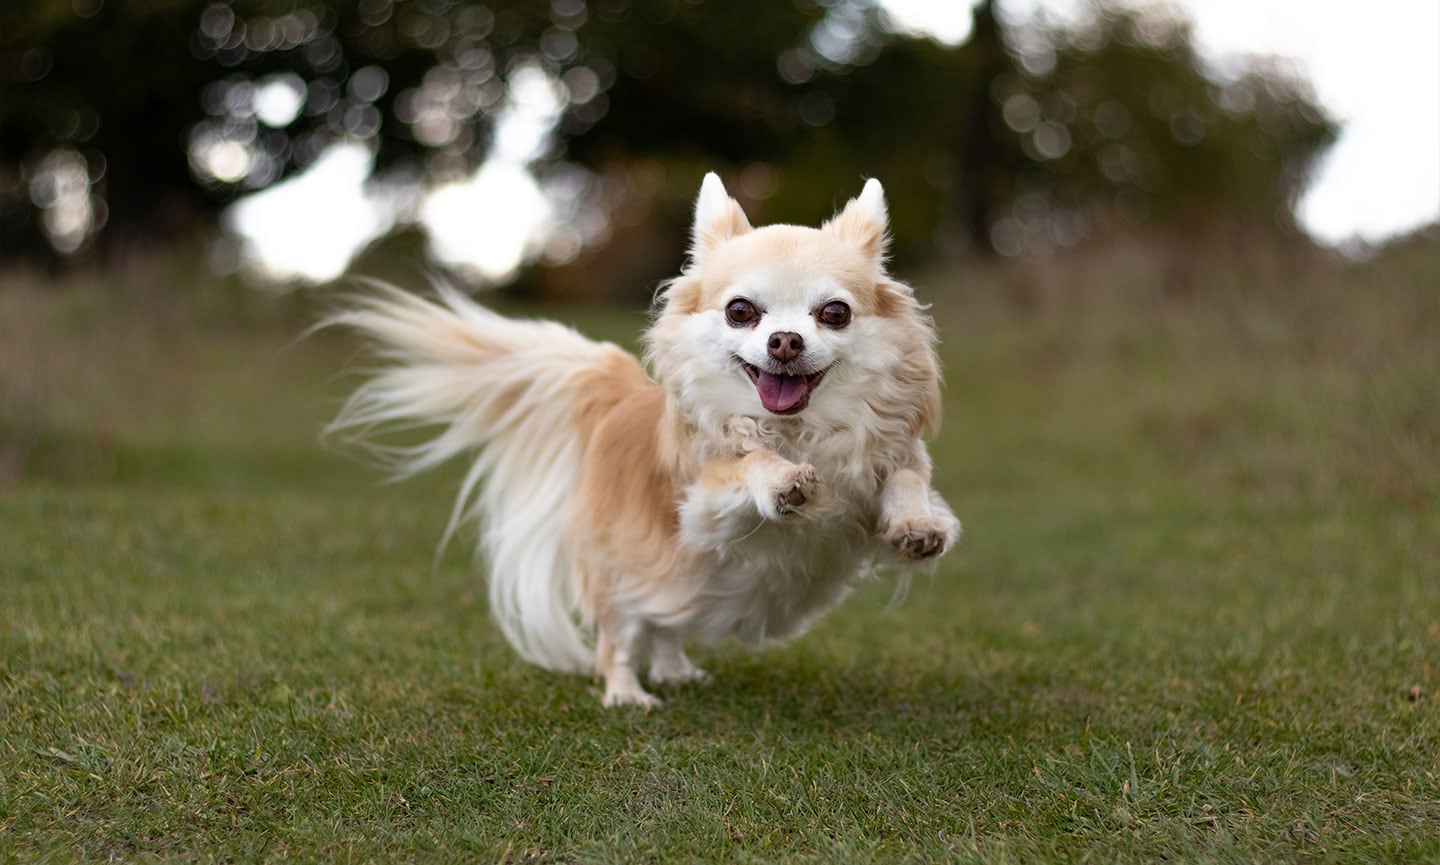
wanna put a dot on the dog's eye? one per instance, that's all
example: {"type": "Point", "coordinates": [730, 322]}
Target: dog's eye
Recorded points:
{"type": "Point", "coordinates": [741, 312]}
{"type": "Point", "coordinates": [834, 314]}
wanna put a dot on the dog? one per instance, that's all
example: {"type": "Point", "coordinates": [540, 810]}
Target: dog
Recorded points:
{"type": "Point", "coordinates": [773, 453]}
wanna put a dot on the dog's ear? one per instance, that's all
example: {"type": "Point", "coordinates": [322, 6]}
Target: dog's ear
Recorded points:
{"type": "Point", "coordinates": [718, 217]}
{"type": "Point", "coordinates": [865, 221]}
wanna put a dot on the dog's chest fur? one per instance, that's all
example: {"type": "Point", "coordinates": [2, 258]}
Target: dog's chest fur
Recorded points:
{"type": "Point", "coordinates": [772, 581]}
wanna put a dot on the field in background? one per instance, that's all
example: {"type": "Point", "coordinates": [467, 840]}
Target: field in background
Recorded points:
{"type": "Point", "coordinates": [1196, 613]}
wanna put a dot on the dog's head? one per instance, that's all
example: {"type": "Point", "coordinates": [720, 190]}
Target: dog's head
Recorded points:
{"type": "Point", "coordinates": [793, 321]}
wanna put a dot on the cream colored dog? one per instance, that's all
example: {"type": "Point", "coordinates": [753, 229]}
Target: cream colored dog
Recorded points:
{"type": "Point", "coordinates": [773, 455]}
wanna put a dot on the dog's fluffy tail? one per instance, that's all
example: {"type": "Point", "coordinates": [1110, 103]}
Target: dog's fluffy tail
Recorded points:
{"type": "Point", "coordinates": [505, 391]}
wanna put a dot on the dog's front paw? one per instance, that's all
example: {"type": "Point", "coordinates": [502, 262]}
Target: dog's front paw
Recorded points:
{"type": "Point", "coordinates": [791, 490]}
{"type": "Point", "coordinates": [919, 538]}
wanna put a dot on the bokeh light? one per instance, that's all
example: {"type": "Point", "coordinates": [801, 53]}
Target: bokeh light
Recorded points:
{"type": "Point", "coordinates": [310, 226]}
{"type": "Point", "coordinates": [487, 225]}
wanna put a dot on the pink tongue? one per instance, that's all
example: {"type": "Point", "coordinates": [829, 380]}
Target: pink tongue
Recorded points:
{"type": "Point", "coordinates": [781, 392]}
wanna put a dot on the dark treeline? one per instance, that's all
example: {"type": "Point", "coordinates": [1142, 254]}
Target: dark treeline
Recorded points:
{"type": "Point", "coordinates": [124, 122]}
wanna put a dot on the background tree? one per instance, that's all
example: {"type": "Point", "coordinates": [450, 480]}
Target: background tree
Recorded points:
{"type": "Point", "coordinates": [1121, 122]}
{"type": "Point", "coordinates": [131, 120]}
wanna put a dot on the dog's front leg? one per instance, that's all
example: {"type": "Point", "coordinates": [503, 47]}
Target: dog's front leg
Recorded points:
{"type": "Point", "coordinates": [733, 495]}
{"type": "Point", "coordinates": [914, 520]}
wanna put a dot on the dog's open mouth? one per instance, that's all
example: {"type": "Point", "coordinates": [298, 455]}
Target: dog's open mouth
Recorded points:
{"type": "Point", "coordinates": [782, 393]}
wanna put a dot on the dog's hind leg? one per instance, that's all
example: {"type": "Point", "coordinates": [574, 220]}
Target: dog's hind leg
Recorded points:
{"type": "Point", "coordinates": [617, 655]}
{"type": "Point", "coordinates": [669, 665]}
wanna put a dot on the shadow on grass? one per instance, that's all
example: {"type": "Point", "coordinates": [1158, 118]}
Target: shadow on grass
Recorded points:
{"type": "Point", "coordinates": [797, 693]}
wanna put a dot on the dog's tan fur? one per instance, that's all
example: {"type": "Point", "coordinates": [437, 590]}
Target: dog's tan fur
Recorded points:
{"type": "Point", "coordinates": [660, 509]}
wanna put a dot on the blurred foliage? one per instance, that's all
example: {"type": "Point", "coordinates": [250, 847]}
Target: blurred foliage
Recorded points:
{"type": "Point", "coordinates": [1121, 121]}
{"type": "Point", "coordinates": [123, 121]}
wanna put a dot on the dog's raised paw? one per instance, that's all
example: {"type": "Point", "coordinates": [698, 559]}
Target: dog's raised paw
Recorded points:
{"type": "Point", "coordinates": [797, 485]}
{"type": "Point", "coordinates": [921, 538]}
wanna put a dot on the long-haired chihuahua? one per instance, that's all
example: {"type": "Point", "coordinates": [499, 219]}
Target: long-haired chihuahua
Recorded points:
{"type": "Point", "coordinates": [767, 453]}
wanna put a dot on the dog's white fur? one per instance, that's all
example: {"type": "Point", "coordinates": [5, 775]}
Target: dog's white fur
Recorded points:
{"type": "Point", "coordinates": [654, 511]}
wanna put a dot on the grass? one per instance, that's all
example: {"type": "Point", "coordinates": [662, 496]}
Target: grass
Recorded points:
{"type": "Point", "coordinates": [1196, 615]}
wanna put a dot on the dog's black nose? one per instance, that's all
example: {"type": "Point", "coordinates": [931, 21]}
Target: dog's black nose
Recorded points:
{"type": "Point", "coordinates": [785, 346]}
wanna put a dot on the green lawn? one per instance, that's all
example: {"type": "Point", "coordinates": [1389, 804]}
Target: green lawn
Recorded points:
{"type": "Point", "coordinates": [1195, 615]}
